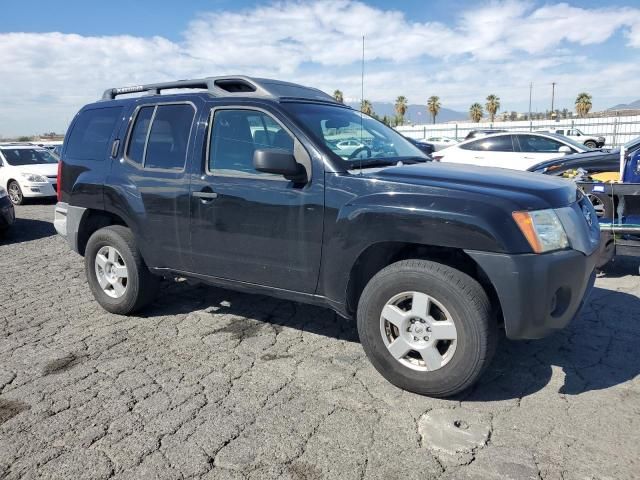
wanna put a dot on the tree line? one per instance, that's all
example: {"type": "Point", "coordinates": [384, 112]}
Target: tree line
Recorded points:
{"type": "Point", "coordinates": [583, 105]}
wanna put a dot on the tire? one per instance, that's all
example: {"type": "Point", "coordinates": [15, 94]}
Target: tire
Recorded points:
{"type": "Point", "coordinates": [603, 205]}
{"type": "Point", "coordinates": [590, 144]}
{"type": "Point", "coordinates": [140, 285]}
{"type": "Point", "coordinates": [606, 250]}
{"type": "Point", "coordinates": [15, 193]}
{"type": "Point", "coordinates": [457, 297]}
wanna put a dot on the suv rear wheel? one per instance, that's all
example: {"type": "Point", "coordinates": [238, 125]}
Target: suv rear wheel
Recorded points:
{"type": "Point", "coordinates": [118, 277]}
{"type": "Point", "coordinates": [426, 327]}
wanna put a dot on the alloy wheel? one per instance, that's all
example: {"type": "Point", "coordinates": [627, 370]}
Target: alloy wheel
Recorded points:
{"type": "Point", "coordinates": [111, 272]}
{"type": "Point", "coordinates": [418, 331]}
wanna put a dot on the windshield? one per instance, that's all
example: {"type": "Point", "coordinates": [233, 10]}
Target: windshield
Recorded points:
{"type": "Point", "coordinates": [28, 156]}
{"type": "Point", "coordinates": [632, 144]}
{"type": "Point", "coordinates": [352, 136]}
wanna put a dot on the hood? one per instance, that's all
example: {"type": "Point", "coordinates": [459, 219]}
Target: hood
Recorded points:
{"type": "Point", "coordinates": [579, 159]}
{"type": "Point", "coordinates": [46, 169]}
{"type": "Point", "coordinates": [528, 190]}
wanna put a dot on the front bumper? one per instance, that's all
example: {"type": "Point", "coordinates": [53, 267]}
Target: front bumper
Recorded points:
{"type": "Point", "coordinates": [38, 189]}
{"type": "Point", "coordinates": [7, 213]}
{"type": "Point", "coordinates": [539, 293]}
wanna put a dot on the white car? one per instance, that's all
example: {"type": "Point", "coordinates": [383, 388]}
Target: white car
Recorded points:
{"type": "Point", "coordinates": [515, 150]}
{"type": "Point", "coordinates": [440, 142]}
{"type": "Point", "coordinates": [347, 147]}
{"type": "Point", "coordinates": [580, 137]}
{"type": "Point", "coordinates": [27, 171]}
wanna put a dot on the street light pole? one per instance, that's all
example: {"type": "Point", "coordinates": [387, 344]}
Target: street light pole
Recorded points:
{"type": "Point", "coordinates": [530, 90]}
{"type": "Point", "coordinates": [553, 94]}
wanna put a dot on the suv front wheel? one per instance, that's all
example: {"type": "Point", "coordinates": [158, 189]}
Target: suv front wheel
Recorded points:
{"type": "Point", "coordinates": [426, 327]}
{"type": "Point", "coordinates": [118, 277]}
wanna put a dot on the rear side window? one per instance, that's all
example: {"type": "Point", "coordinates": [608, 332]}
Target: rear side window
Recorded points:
{"type": "Point", "coordinates": [502, 143]}
{"type": "Point", "coordinates": [91, 132]}
{"type": "Point", "coordinates": [160, 136]}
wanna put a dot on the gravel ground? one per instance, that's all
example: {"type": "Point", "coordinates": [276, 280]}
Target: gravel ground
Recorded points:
{"type": "Point", "coordinates": [210, 383]}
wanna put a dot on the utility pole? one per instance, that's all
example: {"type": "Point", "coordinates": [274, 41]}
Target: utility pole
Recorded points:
{"type": "Point", "coordinates": [553, 94]}
{"type": "Point", "coordinates": [530, 90]}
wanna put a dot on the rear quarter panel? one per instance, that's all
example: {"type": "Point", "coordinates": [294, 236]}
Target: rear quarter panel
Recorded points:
{"type": "Point", "coordinates": [83, 178]}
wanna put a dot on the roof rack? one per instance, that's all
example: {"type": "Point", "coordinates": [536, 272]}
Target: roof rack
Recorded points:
{"type": "Point", "coordinates": [229, 86]}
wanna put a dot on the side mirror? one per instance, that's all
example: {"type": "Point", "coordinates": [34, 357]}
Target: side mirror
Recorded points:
{"type": "Point", "coordinates": [280, 162]}
{"type": "Point", "coordinates": [564, 149]}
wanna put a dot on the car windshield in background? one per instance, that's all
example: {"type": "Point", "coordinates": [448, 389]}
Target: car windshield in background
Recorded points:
{"type": "Point", "coordinates": [28, 156]}
{"type": "Point", "coordinates": [632, 144]}
{"type": "Point", "coordinates": [353, 136]}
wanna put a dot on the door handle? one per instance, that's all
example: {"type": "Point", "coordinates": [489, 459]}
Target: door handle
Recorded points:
{"type": "Point", "coordinates": [205, 195]}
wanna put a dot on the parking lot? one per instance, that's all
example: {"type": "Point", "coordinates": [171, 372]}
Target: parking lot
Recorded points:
{"type": "Point", "coordinates": [209, 383]}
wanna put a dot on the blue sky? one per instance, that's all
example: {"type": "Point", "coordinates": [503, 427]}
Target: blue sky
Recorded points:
{"type": "Point", "coordinates": [56, 56]}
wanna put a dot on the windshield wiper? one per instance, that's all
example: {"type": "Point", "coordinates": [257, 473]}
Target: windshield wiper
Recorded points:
{"type": "Point", "coordinates": [382, 162]}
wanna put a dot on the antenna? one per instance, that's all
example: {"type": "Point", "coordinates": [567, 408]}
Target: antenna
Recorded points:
{"type": "Point", "coordinates": [362, 102]}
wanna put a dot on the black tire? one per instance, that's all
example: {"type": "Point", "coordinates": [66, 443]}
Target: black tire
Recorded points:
{"type": "Point", "coordinates": [606, 251]}
{"type": "Point", "coordinates": [142, 285]}
{"type": "Point", "coordinates": [590, 144]}
{"type": "Point", "coordinates": [603, 205]}
{"type": "Point", "coordinates": [470, 310]}
{"type": "Point", "coordinates": [15, 193]}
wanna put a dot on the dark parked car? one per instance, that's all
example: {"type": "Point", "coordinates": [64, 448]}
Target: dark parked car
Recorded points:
{"type": "Point", "coordinates": [424, 147]}
{"type": "Point", "coordinates": [483, 133]}
{"type": "Point", "coordinates": [7, 213]}
{"type": "Point", "coordinates": [239, 186]}
{"type": "Point", "coordinates": [595, 161]}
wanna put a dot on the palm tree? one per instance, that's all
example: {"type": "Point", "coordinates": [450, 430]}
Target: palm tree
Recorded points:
{"type": "Point", "coordinates": [493, 105]}
{"type": "Point", "coordinates": [338, 96]}
{"type": "Point", "coordinates": [475, 112]}
{"type": "Point", "coordinates": [433, 105]}
{"type": "Point", "coordinates": [401, 108]}
{"type": "Point", "coordinates": [366, 107]}
{"type": "Point", "coordinates": [583, 104]}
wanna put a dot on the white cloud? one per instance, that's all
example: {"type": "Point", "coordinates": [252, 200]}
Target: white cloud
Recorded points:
{"type": "Point", "coordinates": [498, 47]}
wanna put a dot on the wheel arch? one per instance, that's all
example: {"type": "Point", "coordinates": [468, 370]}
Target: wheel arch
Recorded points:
{"type": "Point", "coordinates": [379, 255]}
{"type": "Point", "coordinates": [92, 221]}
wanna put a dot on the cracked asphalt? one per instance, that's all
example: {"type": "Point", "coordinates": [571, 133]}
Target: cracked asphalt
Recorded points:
{"type": "Point", "coordinates": [210, 383]}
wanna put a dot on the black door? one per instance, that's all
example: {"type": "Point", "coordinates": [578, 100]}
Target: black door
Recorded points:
{"type": "Point", "coordinates": [250, 226]}
{"type": "Point", "coordinates": [153, 183]}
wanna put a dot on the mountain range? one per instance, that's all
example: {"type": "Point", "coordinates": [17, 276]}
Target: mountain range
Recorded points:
{"type": "Point", "coordinates": [415, 113]}
{"type": "Point", "coordinates": [626, 106]}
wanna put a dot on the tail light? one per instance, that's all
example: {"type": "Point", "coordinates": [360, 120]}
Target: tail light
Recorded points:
{"type": "Point", "coordinates": [437, 158]}
{"type": "Point", "coordinates": [59, 181]}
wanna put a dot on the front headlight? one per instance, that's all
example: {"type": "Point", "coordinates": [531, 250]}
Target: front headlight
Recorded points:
{"type": "Point", "coordinates": [542, 229]}
{"type": "Point", "coordinates": [32, 177]}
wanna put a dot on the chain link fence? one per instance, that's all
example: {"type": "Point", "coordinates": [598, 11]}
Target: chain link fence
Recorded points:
{"type": "Point", "coordinates": [617, 128]}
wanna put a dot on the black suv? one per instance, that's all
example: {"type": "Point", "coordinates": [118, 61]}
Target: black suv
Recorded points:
{"type": "Point", "coordinates": [272, 187]}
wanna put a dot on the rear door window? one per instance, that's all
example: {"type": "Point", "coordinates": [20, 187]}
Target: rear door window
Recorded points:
{"type": "Point", "coordinates": [91, 133]}
{"type": "Point", "coordinates": [502, 143]}
{"type": "Point", "coordinates": [160, 136]}
{"type": "Point", "coordinates": [138, 140]}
